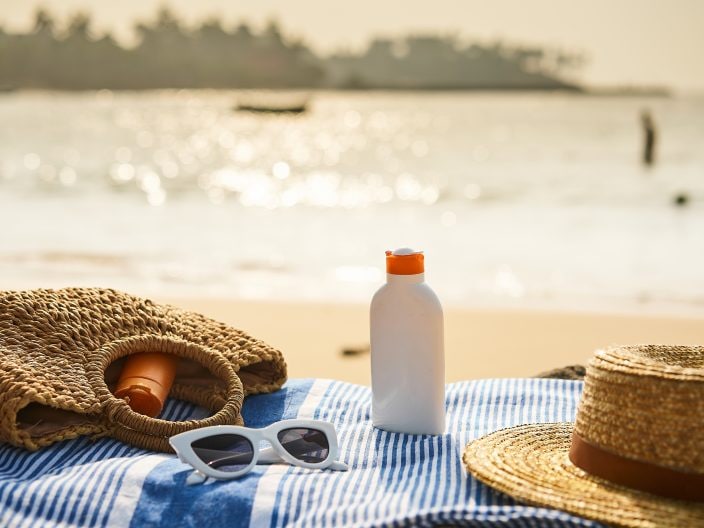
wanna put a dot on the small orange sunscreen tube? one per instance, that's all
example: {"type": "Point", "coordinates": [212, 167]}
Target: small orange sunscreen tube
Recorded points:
{"type": "Point", "coordinates": [145, 382]}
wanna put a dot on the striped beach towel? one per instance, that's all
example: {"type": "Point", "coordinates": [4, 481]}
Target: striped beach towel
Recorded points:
{"type": "Point", "coordinates": [394, 479]}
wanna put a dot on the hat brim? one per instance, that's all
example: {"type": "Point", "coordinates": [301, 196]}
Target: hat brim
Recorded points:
{"type": "Point", "coordinates": [531, 463]}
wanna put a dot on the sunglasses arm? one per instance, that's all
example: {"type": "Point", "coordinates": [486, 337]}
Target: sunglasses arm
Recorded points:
{"type": "Point", "coordinates": [338, 466]}
{"type": "Point", "coordinates": [268, 455]}
{"type": "Point", "coordinates": [195, 477]}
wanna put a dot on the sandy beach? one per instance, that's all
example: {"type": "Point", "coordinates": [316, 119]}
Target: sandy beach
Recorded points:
{"type": "Point", "coordinates": [479, 343]}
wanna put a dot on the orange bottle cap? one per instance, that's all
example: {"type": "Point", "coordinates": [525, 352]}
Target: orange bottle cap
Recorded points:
{"type": "Point", "coordinates": [145, 382]}
{"type": "Point", "coordinates": [404, 261]}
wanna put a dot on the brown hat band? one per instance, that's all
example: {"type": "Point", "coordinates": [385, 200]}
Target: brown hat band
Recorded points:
{"type": "Point", "coordinates": [635, 474]}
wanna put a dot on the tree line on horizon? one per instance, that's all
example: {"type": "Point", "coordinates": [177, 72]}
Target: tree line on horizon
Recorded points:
{"type": "Point", "coordinates": [168, 54]}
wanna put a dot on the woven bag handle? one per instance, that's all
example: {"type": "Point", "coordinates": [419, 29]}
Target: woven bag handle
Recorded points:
{"type": "Point", "coordinates": [152, 433]}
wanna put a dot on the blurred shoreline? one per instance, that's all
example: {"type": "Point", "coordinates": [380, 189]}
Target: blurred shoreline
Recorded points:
{"type": "Point", "coordinates": [586, 91]}
{"type": "Point", "coordinates": [263, 283]}
{"type": "Point", "coordinates": [519, 200]}
{"type": "Point", "coordinates": [479, 343]}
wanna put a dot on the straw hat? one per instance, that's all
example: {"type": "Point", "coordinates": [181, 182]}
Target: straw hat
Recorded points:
{"type": "Point", "coordinates": [634, 457]}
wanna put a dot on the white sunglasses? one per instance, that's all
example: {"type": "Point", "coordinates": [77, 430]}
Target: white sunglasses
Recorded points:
{"type": "Point", "coordinates": [229, 451]}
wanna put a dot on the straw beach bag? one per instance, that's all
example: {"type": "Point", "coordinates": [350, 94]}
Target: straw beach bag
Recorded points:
{"type": "Point", "coordinates": [634, 457]}
{"type": "Point", "coordinates": [61, 351]}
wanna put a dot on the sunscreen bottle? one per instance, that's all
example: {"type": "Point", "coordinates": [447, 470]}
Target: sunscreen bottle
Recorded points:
{"type": "Point", "coordinates": [407, 349]}
{"type": "Point", "coordinates": [146, 380]}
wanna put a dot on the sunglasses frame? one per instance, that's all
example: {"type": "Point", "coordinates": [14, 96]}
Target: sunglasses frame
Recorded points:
{"type": "Point", "coordinates": [182, 444]}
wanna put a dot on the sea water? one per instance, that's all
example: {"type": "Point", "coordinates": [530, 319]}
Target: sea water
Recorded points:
{"type": "Point", "coordinates": [521, 199]}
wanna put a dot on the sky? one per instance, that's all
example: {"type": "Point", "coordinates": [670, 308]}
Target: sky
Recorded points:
{"type": "Point", "coordinates": [627, 42]}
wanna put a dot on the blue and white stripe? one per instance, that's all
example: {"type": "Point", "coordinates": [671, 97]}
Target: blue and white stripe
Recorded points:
{"type": "Point", "coordinates": [394, 479]}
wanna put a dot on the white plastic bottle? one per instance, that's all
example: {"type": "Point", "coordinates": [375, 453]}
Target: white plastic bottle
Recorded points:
{"type": "Point", "coordinates": [407, 349]}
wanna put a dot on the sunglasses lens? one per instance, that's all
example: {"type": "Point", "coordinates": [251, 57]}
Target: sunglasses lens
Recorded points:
{"type": "Point", "coordinates": [307, 445]}
{"type": "Point", "coordinates": [224, 452]}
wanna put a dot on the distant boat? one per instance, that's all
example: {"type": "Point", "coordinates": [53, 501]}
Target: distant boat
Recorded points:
{"type": "Point", "coordinates": [272, 109]}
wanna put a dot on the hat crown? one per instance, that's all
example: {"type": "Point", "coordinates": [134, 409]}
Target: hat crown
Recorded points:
{"type": "Point", "coordinates": [646, 403]}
